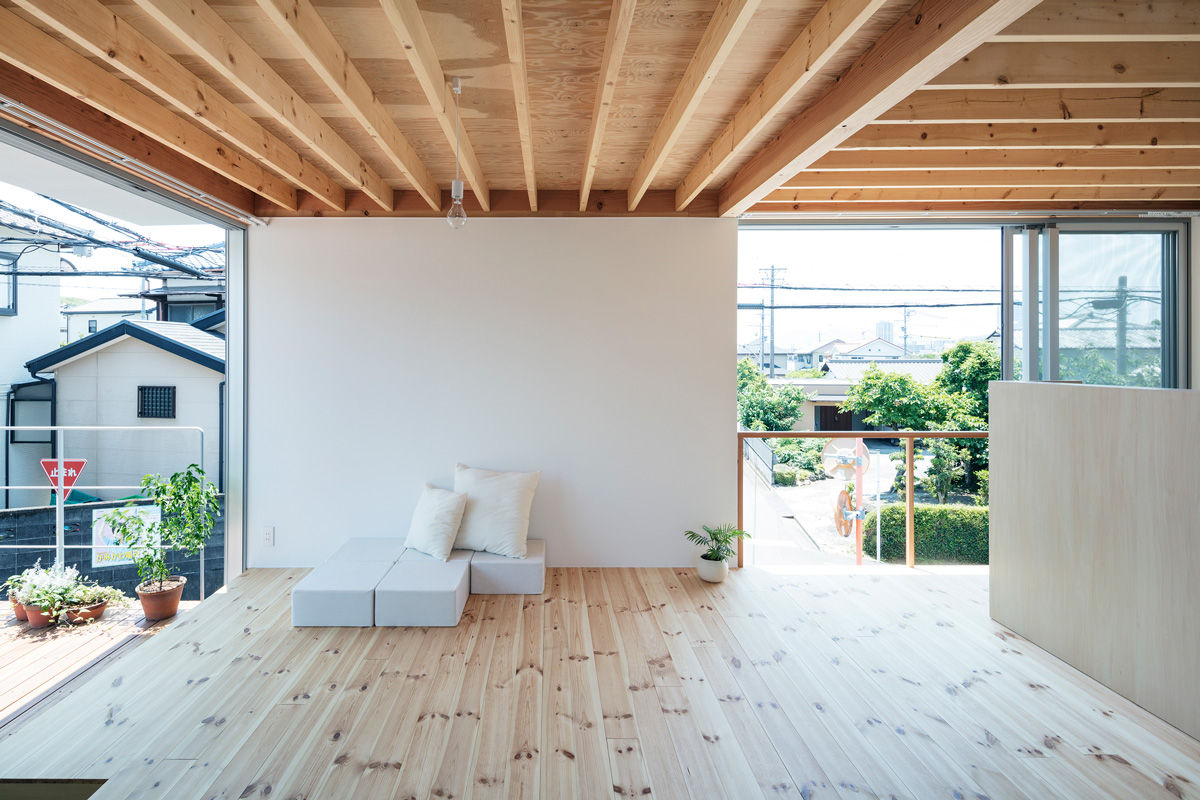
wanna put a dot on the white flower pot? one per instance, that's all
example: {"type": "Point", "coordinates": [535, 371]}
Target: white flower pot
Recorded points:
{"type": "Point", "coordinates": [712, 571]}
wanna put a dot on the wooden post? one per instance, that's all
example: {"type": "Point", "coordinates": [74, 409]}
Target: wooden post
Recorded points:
{"type": "Point", "coordinates": [740, 459]}
{"type": "Point", "coordinates": [910, 541]}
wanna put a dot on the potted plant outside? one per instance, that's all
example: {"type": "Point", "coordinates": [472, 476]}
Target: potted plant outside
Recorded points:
{"type": "Point", "coordinates": [13, 585]}
{"type": "Point", "coordinates": [44, 593]}
{"type": "Point", "coordinates": [87, 602]}
{"type": "Point", "coordinates": [187, 503]}
{"type": "Point", "coordinates": [720, 544]}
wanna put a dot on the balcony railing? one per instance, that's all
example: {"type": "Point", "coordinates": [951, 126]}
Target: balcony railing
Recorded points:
{"type": "Point", "coordinates": [908, 437]}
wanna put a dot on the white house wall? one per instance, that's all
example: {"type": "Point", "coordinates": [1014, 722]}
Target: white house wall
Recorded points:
{"type": "Point", "coordinates": [101, 389]}
{"type": "Point", "coordinates": [382, 352]}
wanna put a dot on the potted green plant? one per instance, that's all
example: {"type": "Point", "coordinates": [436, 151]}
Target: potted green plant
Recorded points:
{"type": "Point", "coordinates": [13, 585]}
{"type": "Point", "coordinates": [87, 602]}
{"type": "Point", "coordinates": [44, 592]}
{"type": "Point", "coordinates": [720, 544]}
{"type": "Point", "coordinates": [187, 504]}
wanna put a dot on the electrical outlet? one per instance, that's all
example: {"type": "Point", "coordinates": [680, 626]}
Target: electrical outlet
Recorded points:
{"type": "Point", "coordinates": [269, 535]}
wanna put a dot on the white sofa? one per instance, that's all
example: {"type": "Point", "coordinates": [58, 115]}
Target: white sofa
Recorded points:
{"type": "Point", "coordinates": [377, 582]}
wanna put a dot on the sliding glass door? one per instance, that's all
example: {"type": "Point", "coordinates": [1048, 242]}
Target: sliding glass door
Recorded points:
{"type": "Point", "coordinates": [1097, 303]}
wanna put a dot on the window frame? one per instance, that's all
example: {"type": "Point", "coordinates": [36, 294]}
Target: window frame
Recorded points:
{"type": "Point", "coordinates": [144, 399]}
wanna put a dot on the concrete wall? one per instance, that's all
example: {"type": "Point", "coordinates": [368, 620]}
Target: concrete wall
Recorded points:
{"type": "Point", "coordinates": [1095, 545]}
{"type": "Point", "coordinates": [381, 352]}
{"type": "Point", "coordinates": [101, 389]}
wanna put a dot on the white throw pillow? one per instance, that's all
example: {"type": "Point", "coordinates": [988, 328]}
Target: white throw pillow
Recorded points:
{"type": "Point", "coordinates": [497, 515]}
{"type": "Point", "coordinates": [435, 522]}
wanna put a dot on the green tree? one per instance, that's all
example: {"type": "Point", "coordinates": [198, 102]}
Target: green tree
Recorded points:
{"type": "Point", "coordinates": [966, 369]}
{"type": "Point", "coordinates": [897, 400]}
{"type": "Point", "coordinates": [763, 407]}
{"type": "Point", "coordinates": [750, 377]}
{"type": "Point", "coordinates": [947, 467]}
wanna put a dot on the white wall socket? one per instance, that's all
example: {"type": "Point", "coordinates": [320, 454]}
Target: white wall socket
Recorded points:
{"type": "Point", "coordinates": [269, 535]}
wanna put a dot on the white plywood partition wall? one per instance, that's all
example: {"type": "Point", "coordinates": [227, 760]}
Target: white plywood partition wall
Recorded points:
{"type": "Point", "coordinates": [1095, 539]}
{"type": "Point", "coordinates": [381, 352]}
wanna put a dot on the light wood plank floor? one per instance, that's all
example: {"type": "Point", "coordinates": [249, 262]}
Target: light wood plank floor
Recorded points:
{"type": "Point", "coordinates": [616, 683]}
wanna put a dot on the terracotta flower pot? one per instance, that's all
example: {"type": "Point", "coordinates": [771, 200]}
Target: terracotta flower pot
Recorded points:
{"type": "Point", "coordinates": [161, 604]}
{"type": "Point", "coordinates": [18, 609]}
{"type": "Point", "coordinates": [38, 617]}
{"type": "Point", "coordinates": [711, 571]}
{"type": "Point", "coordinates": [86, 612]}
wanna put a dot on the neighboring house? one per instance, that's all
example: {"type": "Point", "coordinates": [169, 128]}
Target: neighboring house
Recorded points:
{"type": "Point", "coordinates": [214, 323]}
{"type": "Point", "coordinates": [922, 370]}
{"type": "Point", "coordinates": [876, 349]}
{"type": "Point", "coordinates": [29, 323]}
{"type": "Point", "coordinates": [184, 299]}
{"type": "Point", "coordinates": [142, 374]}
{"type": "Point", "coordinates": [97, 315]}
{"type": "Point", "coordinates": [822, 413]}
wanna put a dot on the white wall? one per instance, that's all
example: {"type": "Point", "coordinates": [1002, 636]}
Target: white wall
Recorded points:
{"type": "Point", "coordinates": [380, 352]}
{"type": "Point", "coordinates": [1194, 281]}
{"type": "Point", "coordinates": [101, 389]}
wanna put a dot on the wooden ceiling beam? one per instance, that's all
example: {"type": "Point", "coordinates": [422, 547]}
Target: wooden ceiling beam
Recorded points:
{"type": "Point", "coordinates": [1051, 158]}
{"type": "Point", "coordinates": [814, 179]}
{"type": "Point", "coordinates": [514, 36]}
{"type": "Point", "coordinates": [210, 38]}
{"type": "Point", "coordinates": [1023, 136]}
{"type": "Point", "coordinates": [931, 36]}
{"type": "Point", "coordinates": [728, 22]}
{"type": "Point", "coordinates": [1042, 105]}
{"type": "Point", "coordinates": [25, 46]}
{"type": "Point", "coordinates": [1075, 64]}
{"type": "Point", "coordinates": [303, 27]}
{"type": "Point", "coordinates": [104, 35]}
{"type": "Point", "coordinates": [834, 24]}
{"type": "Point", "coordinates": [123, 146]}
{"type": "Point", "coordinates": [976, 207]}
{"type": "Point", "coordinates": [1108, 21]}
{"type": "Point", "coordinates": [416, 44]}
{"type": "Point", "coordinates": [997, 194]}
{"type": "Point", "coordinates": [620, 21]}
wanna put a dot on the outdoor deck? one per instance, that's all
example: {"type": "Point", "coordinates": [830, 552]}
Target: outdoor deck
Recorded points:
{"type": "Point", "coordinates": [615, 683]}
{"type": "Point", "coordinates": [36, 663]}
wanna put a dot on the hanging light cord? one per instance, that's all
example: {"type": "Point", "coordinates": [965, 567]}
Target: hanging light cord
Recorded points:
{"type": "Point", "coordinates": [457, 176]}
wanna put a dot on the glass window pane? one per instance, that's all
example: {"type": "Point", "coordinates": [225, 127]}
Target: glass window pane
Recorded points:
{"type": "Point", "coordinates": [1111, 307]}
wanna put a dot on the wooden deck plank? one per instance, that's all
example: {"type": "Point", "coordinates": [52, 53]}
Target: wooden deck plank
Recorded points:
{"type": "Point", "coordinates": [654, 682]}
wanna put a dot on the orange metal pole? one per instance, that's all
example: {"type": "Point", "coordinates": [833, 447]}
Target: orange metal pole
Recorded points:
{"type": "Point", "coordinates": [859, 451]}
{"type": "Point", "coordinates": [910, 539]}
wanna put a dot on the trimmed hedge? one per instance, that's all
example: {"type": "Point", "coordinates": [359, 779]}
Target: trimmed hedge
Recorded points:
{"type": "Point", "coordinates": [785, 475]}
{"type": "Point", "coordinates": [945, 533]}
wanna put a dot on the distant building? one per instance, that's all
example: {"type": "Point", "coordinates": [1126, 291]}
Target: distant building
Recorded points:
{"type": "Point", "coordinates": [97, 315]}
{"type": "Point", "coordinates": [885, 329]}
{"type": "Point", "coordinates": [185, 299]}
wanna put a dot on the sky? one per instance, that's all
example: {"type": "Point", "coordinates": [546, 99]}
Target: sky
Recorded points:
{"type": "Point", "coordinates": [91, 287]}
{"type": "Point", "coordinates": [917, 261]}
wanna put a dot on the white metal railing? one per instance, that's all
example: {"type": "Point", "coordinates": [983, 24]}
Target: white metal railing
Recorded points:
{"type": "Point", "coordinates": [59, 487]}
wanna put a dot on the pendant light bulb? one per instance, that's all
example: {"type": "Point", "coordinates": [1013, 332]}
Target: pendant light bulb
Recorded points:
{"type": "Point", "coordinates": [456, 217]}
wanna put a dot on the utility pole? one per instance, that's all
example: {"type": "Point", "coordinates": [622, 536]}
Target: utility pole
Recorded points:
{"type": "Point", "coordinates": [905, 332]}
{"type": "Point", "coordinates": [773, 272]}
{"type": "Point", "coordinates": [1121, 303]}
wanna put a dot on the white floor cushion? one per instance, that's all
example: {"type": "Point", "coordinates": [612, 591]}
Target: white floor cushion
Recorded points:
{"type": "Point", "coordinates": [420, 590]}
{"type": "Point", "coordinates": [338, 594]}
{"type": "Point", "coordinates": [368, 548]}
{"type": "Point", "coordinates": [493, 574]}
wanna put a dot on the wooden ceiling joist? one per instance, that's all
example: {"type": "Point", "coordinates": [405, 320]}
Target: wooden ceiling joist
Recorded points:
{"type": "Point", "coordinates": [619, 23]}
{"type": "Point", "coordinates": [1084, 64]}
{"type": "Point", "coordinates": [834, 24]}
{"type": "Point", "coordinates": [1107, 21]}
{"type": "Point", "coordinates": [979, 208]}
{"type": "Point", "coordinates": [122, 146]}
{"type": "Point", "coordinates": [1056, 158]}
{"type": "Point", "coordinates": [39, 54]}
{"type": "Point", "coordinates": [913, 179]}
{"type": "Point", "coordinates": [210, 38]}
{"type": "Point", "coordinates": [933, 35]}
{"type": "Point", "coordinates": [1016, 136]}
{"type": "Point", "coordinates": [303, 27]}
{"type": "Point", "coordinates": [997, 194]}
{"type": "Point", "coordinates": [1046, 105]}
{"type": "Point", "coordinates": [104, 35]}
{"type": "Point", "coordinates": [417, 45]}
{"type": "Point", "coordinates": [514, 35]}
{"type": "Point", "coordinates": [728, 22]}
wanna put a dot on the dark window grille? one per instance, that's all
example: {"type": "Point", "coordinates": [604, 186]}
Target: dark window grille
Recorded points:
{"type": "Point", "coordinates": [156, 402]}
{"type": "Point", "coordinates": [91, 326]}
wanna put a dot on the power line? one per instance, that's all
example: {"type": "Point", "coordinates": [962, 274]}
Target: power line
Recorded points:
{"type": "Point", "coordinates": [834, 306]}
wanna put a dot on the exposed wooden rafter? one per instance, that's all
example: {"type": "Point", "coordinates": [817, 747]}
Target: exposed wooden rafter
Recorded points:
{"type": "Point", "coordinates": [1051, 158]}
{"type": "Point", "coordinates": [1080, 64]}
{"type": "Point", "coordinates": [514, 35]}
{"type": "Point", "coordinates": [416, 44]}
{"type": "Point", "coordinates": [1107, 21]}
{"type": "Point", "coordinates": [726, 26]}
{"type": "Point", "coordinates": [814, 179]}
{"type": "Point", "coordinates": [303, 27]}
{"type": "Point", "coordinates": [26, 47]}
{"type": "Point", "coordinates": [1017, 136]}
{"type": "Point", "coordinates": [998, 194]}
{"type": "Point", "coordinates": [930, 37]}
{"type": "Point", "coordinates": [926, 207]}
{"type": "Point", "coordinates": [1037, 105]}
{"type": "Point", "coordinates": [104, 35]}
{"type": "Point", "coordinates": [834, 24]}
{"type": "Point", "coordinates": [619, 23]}
{"type": "Point", "coordinates": [209, 37]}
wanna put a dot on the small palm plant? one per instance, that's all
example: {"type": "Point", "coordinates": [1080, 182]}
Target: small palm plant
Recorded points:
{"type": "Point", "coordinates": [720, 545]}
